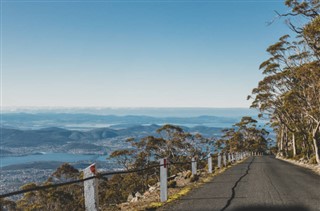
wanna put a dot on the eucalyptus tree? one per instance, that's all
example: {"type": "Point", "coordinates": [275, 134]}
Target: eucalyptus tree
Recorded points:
{"type": "Point", "coordinates": [289, 93]}
{"type": "Point", "coordinates": [245, 135]}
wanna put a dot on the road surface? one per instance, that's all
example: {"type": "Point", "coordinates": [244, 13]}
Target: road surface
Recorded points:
{"type": "Point", "coordinates": [259, 183]}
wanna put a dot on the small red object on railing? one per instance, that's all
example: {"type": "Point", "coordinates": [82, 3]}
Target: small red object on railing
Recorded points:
{"type": "Point", "coordinates": [93, 169]}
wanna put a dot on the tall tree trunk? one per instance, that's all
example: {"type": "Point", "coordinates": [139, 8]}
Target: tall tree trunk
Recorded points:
{"type": "Point", "coordinates": [316, 142]}
{"type": "Point", "coordinates": [286, 142]}
{"type": "Point", "coordinates": [281, 141]}
{"type": "Point", "coordinates": [306, 145]}
{"type": "Point", "coordinates": [294, 145]}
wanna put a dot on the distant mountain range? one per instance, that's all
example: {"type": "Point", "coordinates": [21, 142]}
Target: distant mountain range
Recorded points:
{"type": "Point", "coordinates": [89, 121]}
{"type": "Point", "coordinates": [138, 111]}
{"type": "Point", "coordinates": [54, 136]}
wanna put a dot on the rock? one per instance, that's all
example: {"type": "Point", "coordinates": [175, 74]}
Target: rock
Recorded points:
{"type": "Point", "coordinates": [138, 195]}
{"type": "Point", "coordinates": [152, 189]}
{"type": "Point", "coordinates": [146, 194]}
{"type": "Point", "coordinates": [172, 177]}
{"type": "Point", "coordinates": [188, 174]}
{"type": "Point", "coordinates": [135, 199]}
{"type": "Point", "coordinates": [130, 197]}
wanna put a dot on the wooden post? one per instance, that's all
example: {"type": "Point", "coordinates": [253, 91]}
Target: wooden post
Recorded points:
{"type": "Point", "coordinates": [209, 164]}
{"type": "Point", "coordinates": [163, 180]}
{"type": "Point", "coordinates": [91, 189]}
{"type": "Point", "coordinates": [193, 166]}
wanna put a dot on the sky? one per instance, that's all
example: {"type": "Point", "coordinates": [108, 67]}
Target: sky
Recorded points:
{"type": "Point", "coordinates": [135, 53]}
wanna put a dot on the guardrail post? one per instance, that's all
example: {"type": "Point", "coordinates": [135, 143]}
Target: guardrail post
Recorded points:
{"type": "Point", "coordinates": [209, 164]}
{"type": "Point", "coordinates": [163, 180]}
{"type": "Point", "coordinates": [219, 160]}
{"type": "Point", "coordinates": [91, 189]}
{"type": "Point", "coordinates": [224, 160]}
{"type": "Point", "coordinates": [229, 157]}
{"type": "Point", "coordinates": [193, 166]}
{"type": "Point", "coordinates": [232, 157]}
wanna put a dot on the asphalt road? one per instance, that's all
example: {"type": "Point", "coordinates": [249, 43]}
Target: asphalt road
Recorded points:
{"type": "Point", "coordinates": [259, 183]}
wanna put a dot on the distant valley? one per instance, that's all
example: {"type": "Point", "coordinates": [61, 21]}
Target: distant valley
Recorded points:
{"type": "Point", "coordinates": [100, 140]}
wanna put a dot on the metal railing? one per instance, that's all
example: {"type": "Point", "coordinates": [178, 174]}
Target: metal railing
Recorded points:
{"type": "Point", "coordinates": [90, 173]}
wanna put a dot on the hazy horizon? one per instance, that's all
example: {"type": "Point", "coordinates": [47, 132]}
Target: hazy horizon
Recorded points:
{"type": "Point", "coordinates": [143, 111]}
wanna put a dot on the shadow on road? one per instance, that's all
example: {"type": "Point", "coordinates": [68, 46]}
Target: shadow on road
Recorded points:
{"type": "Point", "coordinates": [273, 208]}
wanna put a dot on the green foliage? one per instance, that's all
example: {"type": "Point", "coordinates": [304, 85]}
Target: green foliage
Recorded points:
{"type": "Point", "coordinates": [60, 198]}
{"type": "Point", "coordinates": [6, 204]}
{"type": "Point", "coordinates": [171, 143]}
{"type": "Point", "coordinates": [245, 135]}
{"type": "Point", "coordinates": [290, 91]}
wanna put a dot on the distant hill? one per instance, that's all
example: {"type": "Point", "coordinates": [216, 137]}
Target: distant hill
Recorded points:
{"type": "Point", "coordinates": [87, 121]}
{"type": "Point", "coordinates": [57, 136]}
{"type": "Point", "coordinates": [35, 165]}
{"type": "Point", "coordinates": [155, 111]}
{"type": "Point", "coordinates": [51, 136]}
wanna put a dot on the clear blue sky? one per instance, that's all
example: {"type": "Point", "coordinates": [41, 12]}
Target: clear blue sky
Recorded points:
{"type": "Point", "coordinates": [135, 53]}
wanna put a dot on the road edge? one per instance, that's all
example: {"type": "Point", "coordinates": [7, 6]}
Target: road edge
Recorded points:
{"type": "Point", "coordinates": [191, 187]}
{"type": "Point", "coordinates": [315, 168]}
